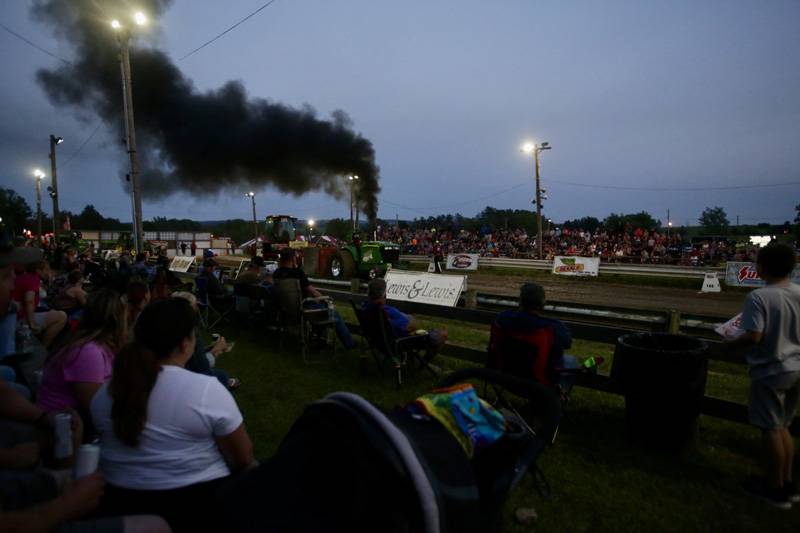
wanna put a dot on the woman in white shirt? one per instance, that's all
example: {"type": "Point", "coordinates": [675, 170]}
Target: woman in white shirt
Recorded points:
{"type": "Point", "coordinates": [169, 437]}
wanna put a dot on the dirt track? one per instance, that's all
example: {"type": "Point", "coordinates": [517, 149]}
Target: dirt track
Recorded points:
{"type": "Point", "coordinates": [723, 305]}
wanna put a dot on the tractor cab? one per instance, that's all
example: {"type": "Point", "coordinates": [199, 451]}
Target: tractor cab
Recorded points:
{"type": "Point", "coordinates": [281, 229]}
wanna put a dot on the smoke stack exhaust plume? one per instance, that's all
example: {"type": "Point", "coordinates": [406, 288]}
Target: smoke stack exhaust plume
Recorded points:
{"type": "Point", "coordinates": [200, 143]}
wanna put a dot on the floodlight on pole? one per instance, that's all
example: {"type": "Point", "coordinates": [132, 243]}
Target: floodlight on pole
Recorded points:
{"type": "Point", "coordinates": [53, 189]}
{"type": "Point", "coordinates": [252, 197]}
{"type": "Point", "coordinates": [535, 149]}
{"type": "Point", "coordinates": [123, 38]}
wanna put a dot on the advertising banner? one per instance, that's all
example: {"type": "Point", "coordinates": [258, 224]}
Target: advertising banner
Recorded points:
{"type": "Point", "coordinates": [576, 266]}
{"type": "Point", "coordinates": [462, 262]}
{"type": "Point", "coordinates": [745, 275]}
{"type": "Point", "coordinates": [424, 288]}
{"type": "Point", "coordinates": [181, 263]}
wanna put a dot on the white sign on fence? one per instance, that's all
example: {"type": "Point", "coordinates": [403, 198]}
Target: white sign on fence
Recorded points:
{"type": "Point", "coordinates": [710, 283]}
{"type": "Point", "coordinates": [181, 263]}
{"type": "Point", "coordinates": [424, 288]}
{"type": "Point", "coordinates": [462, 262]}
{"type": "Point", "coordinates": [576, 266]}
{"type": "Point", "coordinates": [745, 275]}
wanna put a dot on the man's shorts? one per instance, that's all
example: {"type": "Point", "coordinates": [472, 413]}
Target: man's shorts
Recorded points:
{"type": "Point", "coordinates": [774, 400]}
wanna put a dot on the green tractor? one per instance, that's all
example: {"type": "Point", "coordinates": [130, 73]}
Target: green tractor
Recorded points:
{"type": "Point", "coordinates": [324, 258]}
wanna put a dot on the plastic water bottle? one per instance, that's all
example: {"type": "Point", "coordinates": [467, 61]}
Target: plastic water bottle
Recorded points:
{"type": "Point", "coordinates": [25, 338]}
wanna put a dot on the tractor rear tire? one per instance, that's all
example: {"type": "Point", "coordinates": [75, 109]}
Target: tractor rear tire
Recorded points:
{"type": "Point", "coordinates": [343, 266]}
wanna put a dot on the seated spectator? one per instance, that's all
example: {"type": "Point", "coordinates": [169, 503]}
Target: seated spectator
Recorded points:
{"type": "Point", "coordinates": [254, 273]}
{"type": "Point", "coordinates": [46, 324]}
{"type": "Point", "coordinates": [72, 298]}
{"type": "Point", "coordinates": [141, 268]}
{"type": "Point", "coordinates": [528, 318]}
{"type": "Point", "coordinates": [204, 358]}
{"type": "Point", "coordinates": [215, 290]}
{"type": "Point", "coordinates": [75, 373]}
{"type": "Point", "coordinates": [36, 499]}
{"type": "Point", "coordinates": [403, 325]}
{"type": "Point", "coordinates": [288, 269]}
{"type": "Point", "coordinates": [169, 437]}
{"type": "Point", "coordinates": [137, 296]}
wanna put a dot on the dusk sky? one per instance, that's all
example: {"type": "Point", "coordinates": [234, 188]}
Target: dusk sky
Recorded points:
{"type": "Point", "coordinates": [631, 94]}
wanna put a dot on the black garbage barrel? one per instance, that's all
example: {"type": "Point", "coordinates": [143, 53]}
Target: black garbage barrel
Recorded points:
{"type": "Point", "coordinates": [663, 379]}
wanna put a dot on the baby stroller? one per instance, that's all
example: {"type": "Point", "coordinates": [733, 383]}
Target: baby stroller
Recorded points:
{"type": "Point", "coordinates": [346, 465]}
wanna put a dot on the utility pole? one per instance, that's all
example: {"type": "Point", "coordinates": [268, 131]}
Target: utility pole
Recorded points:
{"type": "Point", "coordinates": [669, 223]}
{"type": "Point", "coordinates": [54, 176]}
{"type": "Point", "coordinates": [252, 197]}
{"type": "Point", "coordinates": [535, 149]}
{"type": "Point", "coordinates": [123, 38]}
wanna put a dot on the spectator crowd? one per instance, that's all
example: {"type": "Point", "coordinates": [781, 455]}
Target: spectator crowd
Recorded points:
{"type": "Point", "coordinates": [637, 246]}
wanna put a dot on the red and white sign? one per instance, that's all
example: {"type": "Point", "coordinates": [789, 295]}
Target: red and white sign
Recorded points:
{"type": "Point", "coordinates": [462, 261]}
{"type": "Point", "coordinates": [745, 275]}
{"type": "Point", "coordinates": [576, 266]}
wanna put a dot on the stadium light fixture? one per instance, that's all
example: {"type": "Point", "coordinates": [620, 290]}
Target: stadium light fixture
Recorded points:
{"type": "Point", "coordinates": [116, 24]}
{"type": "Point", "coordinates": [139, 18]}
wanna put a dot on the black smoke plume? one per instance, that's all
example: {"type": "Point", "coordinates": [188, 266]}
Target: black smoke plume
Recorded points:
{"type": "Point", "coordinates": [201, 143]}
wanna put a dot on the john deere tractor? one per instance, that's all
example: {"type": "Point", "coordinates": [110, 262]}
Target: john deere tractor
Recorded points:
{"type": "Point", "coordinates": [365, 259]}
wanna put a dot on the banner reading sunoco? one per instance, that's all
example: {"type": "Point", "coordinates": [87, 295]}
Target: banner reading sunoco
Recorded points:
{"type": "Point", "coordinates": [435, 289]}
{"type": "Point", "coordinates": [576, 266]}
{"type": "Point", "coordinates": [462, 261]}
{"type": "Point", "coordinates": [745, 275]}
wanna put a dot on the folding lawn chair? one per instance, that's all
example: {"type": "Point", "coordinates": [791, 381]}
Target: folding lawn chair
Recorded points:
{"type": "Point", "coordinates": [311, 323]}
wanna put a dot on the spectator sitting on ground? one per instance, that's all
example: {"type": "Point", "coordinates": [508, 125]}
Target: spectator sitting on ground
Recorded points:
{"type": "Point", "coordinates": [403, 325]}
{"type": "Point", "coordinates": [771, 320]}
{"type": "Point", "coordinates": [46, 324]}
{"type": "Point", "coordinates": [528, 319]}
{"type": "Point", "coordinates": [39, 499]}
{"type": "Point", "coordinates": [72, 298]}
{"type": "Point", "coordinates": [72, 376]}
{"type": "Point", "coordinates": [288, 269]}
{"type": "Point", "coordinates": [204, 358]}
{"type": "Point", "coordinates": [169, 437]}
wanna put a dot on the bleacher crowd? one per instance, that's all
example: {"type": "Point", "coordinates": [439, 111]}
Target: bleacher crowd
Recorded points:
{"type": "Point", "coordinates": [637, 246]}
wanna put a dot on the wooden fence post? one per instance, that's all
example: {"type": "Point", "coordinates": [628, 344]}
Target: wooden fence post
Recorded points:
{"type": "Point", "coordinates": [674, 324]}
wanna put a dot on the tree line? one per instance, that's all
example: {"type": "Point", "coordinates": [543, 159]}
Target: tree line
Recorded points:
{"type": "Point", "coordinates": [17, 215]}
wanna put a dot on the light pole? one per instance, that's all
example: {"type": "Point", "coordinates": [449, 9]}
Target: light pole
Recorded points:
{"type": "Point", "coordinates": [669, 223]}
{"type": "Point", "coordinates": [531, 148]}
{"type": "Point", "coordinates": [310, 228]}
{"type": "Point", "coordinates": [54, 141]}
{"type": "Point", "coordinates": [123, 38]}
{"type": "Point", "coordinates": [38, 174]}
{"type": "Point", "coordinates": [353, 208]}
{"type": "Point", "coordinates": [252, 197]}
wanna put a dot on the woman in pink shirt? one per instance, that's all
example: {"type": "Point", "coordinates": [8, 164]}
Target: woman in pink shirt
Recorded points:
{"type": "Point", "coordinates": [77, 371]}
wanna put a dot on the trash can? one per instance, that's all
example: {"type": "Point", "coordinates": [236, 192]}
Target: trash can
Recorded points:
{"type": "Point", "coordinates": [663, 379]}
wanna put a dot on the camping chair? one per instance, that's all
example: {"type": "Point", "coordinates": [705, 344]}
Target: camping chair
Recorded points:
{"type": "Point", "coordinates": [310, 322]}
{"type": "Point", "coordinates": [381, 339]}
{"type": "Point", "coordinates": [252, 304]}
{"type": "Point", "coordinates": [210, 316]}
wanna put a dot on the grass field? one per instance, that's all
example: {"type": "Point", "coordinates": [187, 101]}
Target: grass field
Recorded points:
{"type": "Point", "coordinates": [599, 482]}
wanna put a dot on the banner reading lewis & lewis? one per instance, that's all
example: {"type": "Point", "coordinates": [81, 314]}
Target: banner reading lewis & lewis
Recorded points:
{"type": "Point", "coordinates": [424, 288]}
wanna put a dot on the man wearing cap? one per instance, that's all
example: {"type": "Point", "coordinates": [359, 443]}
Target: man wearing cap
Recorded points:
{"type": "Point", "coordinates": [528, 318]}
{"type": "Point", "coordinates": [214, 289]}
{"type": "Point", "coordinates": [403, 325]}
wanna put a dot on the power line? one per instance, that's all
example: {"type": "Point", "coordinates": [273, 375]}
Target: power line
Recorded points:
{"type": "Point", "coordinates": [228, 30]}
{"type": "Point", "coordinates": [669, 189]}
{"type": "Point", "coordinates": [459, 204]}
{"type": "Point", "coordinates": [31, 43]}
{"type": "Point", "coordinates": [84, 143]}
